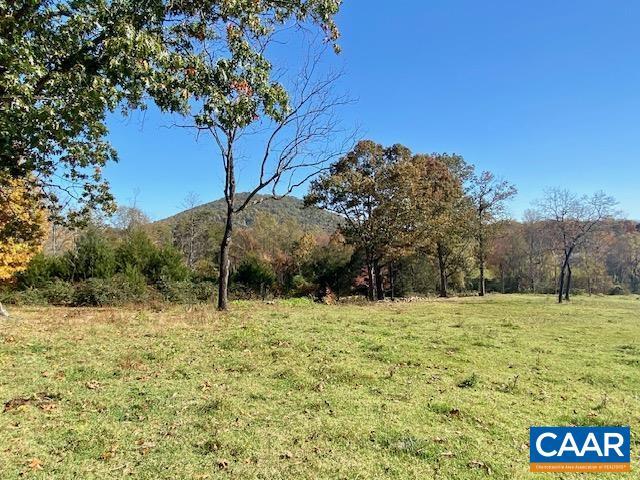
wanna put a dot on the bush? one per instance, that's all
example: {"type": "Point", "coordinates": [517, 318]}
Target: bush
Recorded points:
{"type": "Point", "coordinates": [204, 291]}
{"type": "Point", "coordinates": [93, 257]}
{"type": "Point", "coordinates": [301, 287]}
{"type": "Point", "coordinates": [42, 269]}
{"type": "Point", "coordinates": [176, 291]}
{"type": "Point", "coordinates": [133, 281]}
{"type": "Point", "coordinates": [167, 263]}
{"type": "Point", "coordinates": [94, 292]}
{"type": "Point", "coordinates": [30, 296]}
{"type": "Point", "coordinates": [135, 251]}
{"type": "Point", "coordinates": [183, 291]}
{"type": "Point", "coordinates": [255, 275]}
{"type": "Point", "coordinates": [58, 292]}
{"type": "Point", "coordinates": [617, 290]}
{"type": "Point", "coordinates": [118, 290]}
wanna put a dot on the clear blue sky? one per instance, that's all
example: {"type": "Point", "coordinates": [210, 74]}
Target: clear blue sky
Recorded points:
{"type": "Point", "coordinates": [543, 93]}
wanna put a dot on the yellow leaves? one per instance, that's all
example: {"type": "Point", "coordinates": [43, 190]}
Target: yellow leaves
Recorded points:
{"type": "Point", "coordinates": [22, 226]}
{"type": "Point", "coordinates": [14, 257]}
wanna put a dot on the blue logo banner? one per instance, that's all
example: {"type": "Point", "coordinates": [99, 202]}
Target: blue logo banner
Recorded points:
{"type": "Point", "coordinates": [580, 449]}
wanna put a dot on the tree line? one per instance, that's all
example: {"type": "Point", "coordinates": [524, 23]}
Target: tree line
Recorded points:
{"type": "Point", "coordinates": [408, 224]}
{"type": "Point", "coordinates": [64, 65]}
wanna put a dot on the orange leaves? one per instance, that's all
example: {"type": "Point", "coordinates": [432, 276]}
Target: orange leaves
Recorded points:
{"type": "Point", "coordinates": [35, 464]}
{"type": "Point", "coordinates": [242, 87]}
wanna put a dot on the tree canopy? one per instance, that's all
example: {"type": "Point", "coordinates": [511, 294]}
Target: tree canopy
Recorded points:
{"type": "Point", "coordinates": [64, 65]}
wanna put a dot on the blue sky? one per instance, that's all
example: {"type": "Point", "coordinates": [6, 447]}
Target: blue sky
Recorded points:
{"type": "Point", "coordinates": [543, 93]}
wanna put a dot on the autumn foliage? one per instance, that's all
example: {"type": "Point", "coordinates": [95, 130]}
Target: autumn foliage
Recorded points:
{"type": "Point", "coordinates": [22, 226]}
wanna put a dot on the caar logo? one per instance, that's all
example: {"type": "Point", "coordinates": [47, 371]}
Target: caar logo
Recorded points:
{"type": "Point", "coordinates": [580, 449]}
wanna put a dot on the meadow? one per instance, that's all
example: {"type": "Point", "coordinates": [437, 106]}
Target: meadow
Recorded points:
{"type": "Point", "coordinates": [434, 389]}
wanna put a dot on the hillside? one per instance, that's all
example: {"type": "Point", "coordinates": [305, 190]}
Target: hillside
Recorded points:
{"type": "Point", "coordinates": [284, 210]}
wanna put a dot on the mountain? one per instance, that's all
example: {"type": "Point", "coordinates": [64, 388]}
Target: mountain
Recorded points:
{"type": "Point", "coordinates": [284, 210]}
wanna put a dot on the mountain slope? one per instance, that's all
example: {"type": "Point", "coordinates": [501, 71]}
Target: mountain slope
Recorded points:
{"type": "Point", "coordinates": [284, 210]}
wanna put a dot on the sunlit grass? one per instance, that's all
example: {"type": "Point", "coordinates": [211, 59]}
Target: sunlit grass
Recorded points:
{"type": "Point", "coordinates": [431, 389]}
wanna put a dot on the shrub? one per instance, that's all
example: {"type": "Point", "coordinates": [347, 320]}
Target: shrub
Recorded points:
{"type": "Point", "coordinates": [204, 291]}
{"type": "Point", "coordinates": [617, 290]}
{"type": "Point", "coordinates": [58, 292]}
{"type": "Point", "coordinates": [42, 269]}
{"type": "Point", "coordinates": [330, 266]}
{"type": "Point", "coordinates": [94, 292]}
{"type": "Point", "coordinates": [175, 291]}
{"type": "Point", "coordinates": [167, 263]}
{"type": "Point", "coordinates": [255, 274]}
{"type": "Point", "coordinates": [183, 291]}
{"type": "Point", "coordinates": [133, 281]}
{"type": "Point", "coordinates": [301, 287]}
{"type": "Point", "coordinates": [135, 251]}
{"type": "Point", "coordinates": [93, 257]}
{"type": "Point", "coordinates": [30, 296]}
{"type": "Point", "coordinates": [99, 292]}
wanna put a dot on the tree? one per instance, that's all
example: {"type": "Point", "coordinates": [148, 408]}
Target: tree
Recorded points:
{"type": "Point", "coordinates": [62, 66]}
{"type": "Point", "coordinates": [536, 248]}
{"type": "Point", "coordinates": [423, 197]}
{"type": "Point", "coordinates": [573, 220]}
{"type": "Point", "coordinates": [453, 235]}
{"type": "Point", "coordinates": [488, 196]}
{"type": "Point", "coordinates": [453, 248]}
{"type": "Point", "coordinates": [296, 149]}
{"type": "Point", "coordinates": [22, 228]}
{"type": "Point", "coordinates": [591, 260]}
{"type": "Point", "coordinates": [93, 256]}
{"type": "Point", "coordinates": [354, 188]}
{"type": "Point", "coordinates": [623, 260]}
{"type": "Point", "coordinates": [507, 254]}
{"type": "Point", "coordinates": [329, 266]}
{"type": "Point", "coordinates": [452, 239]}
{"type": "Point", "coordinates": [291, 120]}
{"type": "Point", "coordinates": [187, 237]}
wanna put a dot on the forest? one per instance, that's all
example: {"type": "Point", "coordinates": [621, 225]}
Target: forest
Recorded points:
{"type": "Point", "coordinates": [382, 223]}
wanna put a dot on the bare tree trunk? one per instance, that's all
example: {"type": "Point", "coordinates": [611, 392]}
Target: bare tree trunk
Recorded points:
{"type": "Point", "coordinates": [223, 280]}
{"type": "Point", "coordinates": [392, 280]}
{"type": "Point", "coordinates": [481, 286]}
{"type": "Point", "coordinates": [533, 284]}
{"type": "Point", "coordinates": [568, 287]}
{"type": "Point", "coordinates": [229, 193]}
{"type": "Point", "coordinates": [371, 275]}
{"type": "Point", "coordinates": [441, 269]}
{"type": "Point", "coordinates": [379, 280]}
{"type": "Point", "coordinates": [3, 312]}
{"type": "Point", "coordinates": [561, 281]}
{"type": "Point", "coordinates": [502, 276]}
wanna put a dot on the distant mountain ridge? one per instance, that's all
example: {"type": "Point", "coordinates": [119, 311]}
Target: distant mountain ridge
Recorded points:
{"type": "Point", "coordinates": [283, 210]}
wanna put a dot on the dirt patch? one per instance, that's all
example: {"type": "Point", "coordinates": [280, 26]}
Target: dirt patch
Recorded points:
{"type": "Point", "coordinates": [45, 401]}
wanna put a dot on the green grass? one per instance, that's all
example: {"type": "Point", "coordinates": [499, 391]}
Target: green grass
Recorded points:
{"type": "Point", "coordinates": [432, 389]}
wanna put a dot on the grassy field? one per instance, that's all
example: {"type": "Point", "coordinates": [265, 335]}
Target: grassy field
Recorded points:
{"type": "Point", "coordinates": [431, 389]}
